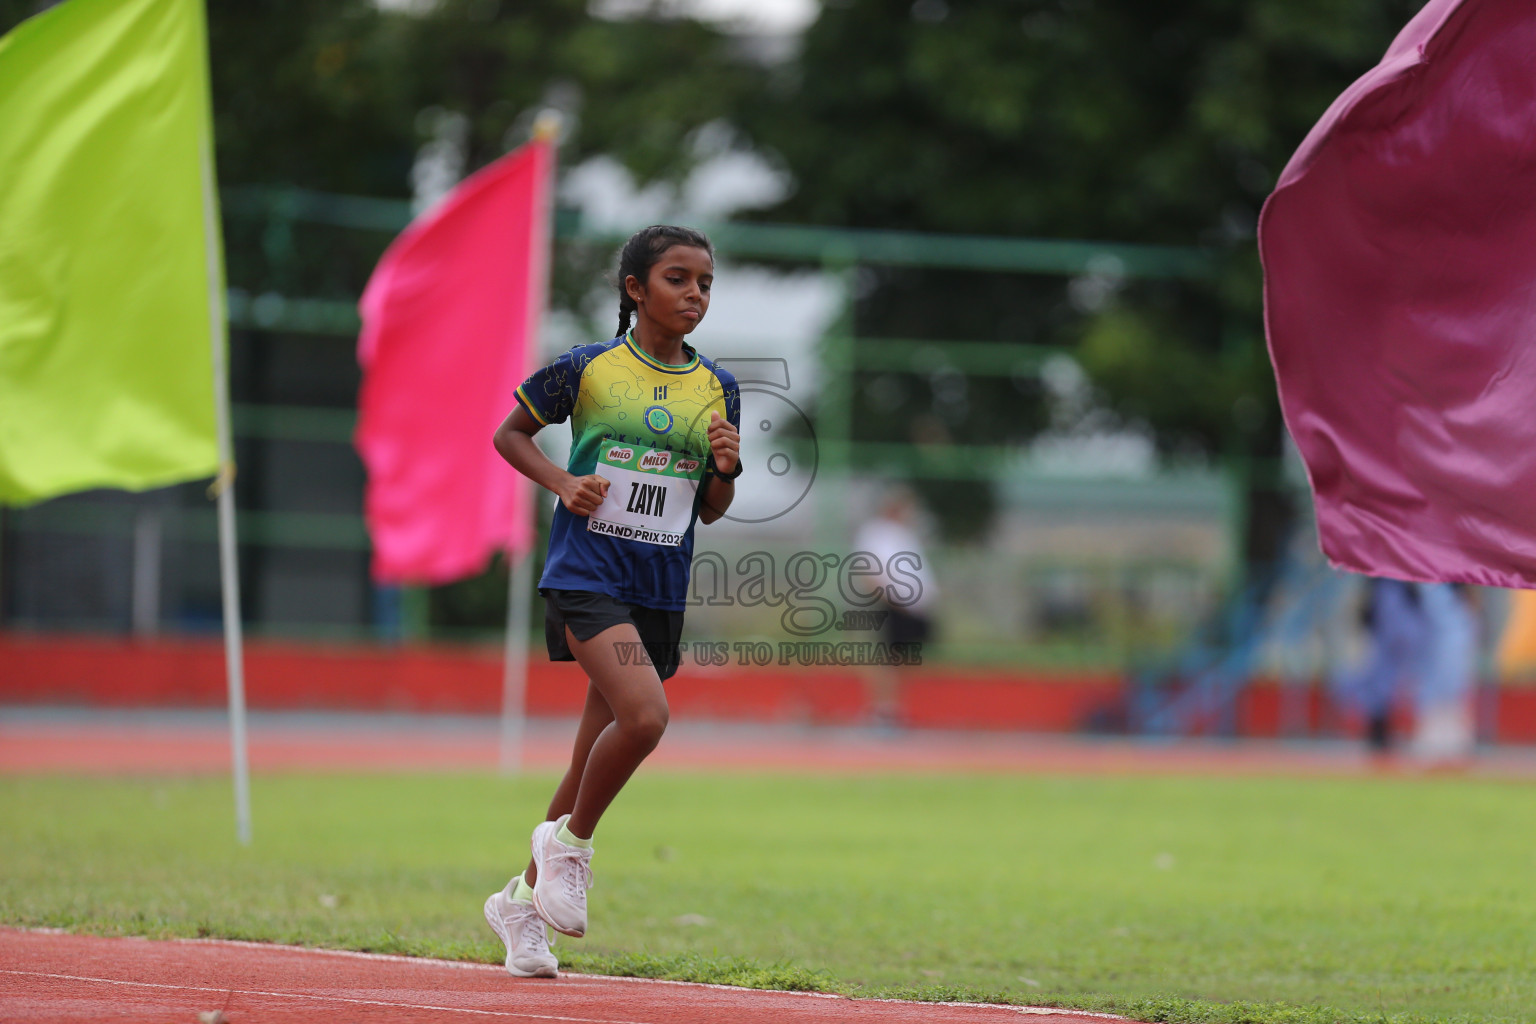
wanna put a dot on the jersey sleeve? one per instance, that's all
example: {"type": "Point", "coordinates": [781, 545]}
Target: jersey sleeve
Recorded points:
{"type": "Point", "coordinates": [731, 396]}
{"type": "Point", "coordinates": [550, 393]}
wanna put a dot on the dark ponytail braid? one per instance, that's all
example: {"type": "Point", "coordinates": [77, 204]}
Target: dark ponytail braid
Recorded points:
{"type": "Point", "coordinates": [644, 248]}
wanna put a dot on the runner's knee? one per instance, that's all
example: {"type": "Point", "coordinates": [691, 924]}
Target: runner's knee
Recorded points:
{"type": "Point", "coordinates": [645, 725]}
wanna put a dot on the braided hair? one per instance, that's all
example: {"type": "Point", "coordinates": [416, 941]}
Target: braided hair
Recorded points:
{"type": "Point", "coordinates": [643, 251]}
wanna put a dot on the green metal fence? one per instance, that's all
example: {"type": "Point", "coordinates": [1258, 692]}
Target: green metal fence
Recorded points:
{"type": "Point", "coordinates": [283, 212]}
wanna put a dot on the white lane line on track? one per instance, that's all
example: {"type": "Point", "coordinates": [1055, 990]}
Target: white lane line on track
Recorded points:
{"type": "Point", "coordinates": [353, 954]}
{"type": "Point", "coordinates": [1054, 1011]}
{"type": "Point", "coordinates": [569, 977]}
{"type": "Point", "coordinates": [330, 999]}
{"type": "Point", "coordinates": [574, 978]}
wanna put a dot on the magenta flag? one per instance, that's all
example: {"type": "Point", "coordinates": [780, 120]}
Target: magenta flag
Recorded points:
{"type": "Point", "coordinates": [449, 318]}
{"type": "Point", "coordinates": [1399, 253]}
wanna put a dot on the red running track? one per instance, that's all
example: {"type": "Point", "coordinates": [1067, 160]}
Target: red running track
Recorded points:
{"type": "Point", "coordinates": [95, 742]}
{"type": "Point", "coordinates": [51, 978]}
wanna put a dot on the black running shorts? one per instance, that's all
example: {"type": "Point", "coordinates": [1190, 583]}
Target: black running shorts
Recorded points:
{"type": "Point", "coordinates": [587, 614]}
{"type": "Point", "coordinates": [902, 627]}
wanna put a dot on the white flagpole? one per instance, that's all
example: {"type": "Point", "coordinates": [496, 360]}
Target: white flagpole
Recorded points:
{"type": "Point", "coordinates": [514, 688]}
{"type": "Point", "coordinates": [224, 487]}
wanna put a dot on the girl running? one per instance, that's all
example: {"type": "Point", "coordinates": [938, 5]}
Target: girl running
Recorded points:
{"type": "Point", "coordinates": [655, 446]}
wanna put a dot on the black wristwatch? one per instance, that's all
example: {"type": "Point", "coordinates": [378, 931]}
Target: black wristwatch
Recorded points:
{"type": "Point", "coordinates": [734, 473]}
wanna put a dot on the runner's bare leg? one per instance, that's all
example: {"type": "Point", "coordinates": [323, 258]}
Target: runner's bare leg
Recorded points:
{"type": "Point", "coordinates": [595, 717]}
{"type": "Point", "coordinates": [623, 720]}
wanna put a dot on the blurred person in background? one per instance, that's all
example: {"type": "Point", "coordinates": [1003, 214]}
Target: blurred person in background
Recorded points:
{"type": "Point", "coordinates": [907, 594]}
{"type": "Point", "coordinates": [1394, 616]}
{"type": "Point", "coordinates": [1515, 656]}
{"type": "Point", "coordinates": [1445, 722]}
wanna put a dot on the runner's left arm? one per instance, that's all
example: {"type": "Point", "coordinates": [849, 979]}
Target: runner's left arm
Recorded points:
{"type": "Point", "coordinates": [725, 449]}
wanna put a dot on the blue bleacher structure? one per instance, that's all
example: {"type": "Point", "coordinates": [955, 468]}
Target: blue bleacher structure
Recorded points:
{"type": "Point", "coordinates": [1279, 617]}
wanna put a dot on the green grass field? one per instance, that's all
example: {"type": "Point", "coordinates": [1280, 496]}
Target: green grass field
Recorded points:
{"type": "Point", "coordinates": [1174, 899]}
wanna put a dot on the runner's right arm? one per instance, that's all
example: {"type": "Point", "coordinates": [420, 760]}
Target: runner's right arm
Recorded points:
{"type": "Point", "coordinates": [514, 442]}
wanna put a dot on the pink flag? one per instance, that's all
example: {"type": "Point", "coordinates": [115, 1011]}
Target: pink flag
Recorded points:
{"type": "Point", "coordinates": [1399, 253]}
{"type": "Point", "coordinates": [449, 319]}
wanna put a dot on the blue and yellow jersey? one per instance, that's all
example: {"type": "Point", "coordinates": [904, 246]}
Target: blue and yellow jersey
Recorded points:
{"type": "Point", "coordinates": [614, 393]}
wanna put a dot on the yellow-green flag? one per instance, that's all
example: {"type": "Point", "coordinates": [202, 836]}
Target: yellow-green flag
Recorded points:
{"type": "Point", "coordinates": [108, 277]}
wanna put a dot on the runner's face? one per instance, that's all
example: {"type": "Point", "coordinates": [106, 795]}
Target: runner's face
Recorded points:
{"type": "Point", "coordinates": [676, 296]}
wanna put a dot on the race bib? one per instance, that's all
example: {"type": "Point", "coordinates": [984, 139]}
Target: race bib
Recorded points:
{"type": "Point", "coordinates": [650, 493]}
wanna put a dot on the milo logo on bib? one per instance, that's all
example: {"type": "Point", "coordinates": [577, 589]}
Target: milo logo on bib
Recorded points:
{"type": "Point", "coordinates": [647, 503]}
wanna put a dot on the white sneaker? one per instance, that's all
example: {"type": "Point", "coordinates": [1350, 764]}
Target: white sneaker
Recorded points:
{"type": "Point", "coordinates": [565, 875]}
{"type": "Point", "coordinates": [522, 931]}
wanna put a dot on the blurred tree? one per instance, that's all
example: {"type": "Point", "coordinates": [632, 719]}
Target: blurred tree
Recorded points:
{"type": "Point", "coordinates": [1100, 119]}
{"type": "Point", "coordinates": [13, 12]}
{"type": "Point", "coordinates": [344, 95]}
{"type": "Point", "coordinates": [339, 94]}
